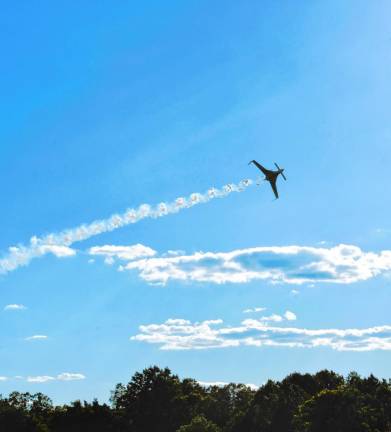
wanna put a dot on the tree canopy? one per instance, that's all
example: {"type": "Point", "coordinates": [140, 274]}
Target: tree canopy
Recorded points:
{"type": "Point", "coordinates": [156, 400]}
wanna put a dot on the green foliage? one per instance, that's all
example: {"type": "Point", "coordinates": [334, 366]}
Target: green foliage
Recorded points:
{"type": "Point", "coordinates": [226, 405]}
{"type": "Point", "coordinates": [199, 424]}
{"type": "Point", "coordinates": [359, 405]}
{"type": "Point", "coordinates": [329, 410]}
{"type": "Point", "coordinates": [25, 412]}
{"type": "Point", "coordinates": [155, 400]}
{"type": "Point", "coordinates": [14, 420]}
{"type": "Point", "coordinates": [84, 417]}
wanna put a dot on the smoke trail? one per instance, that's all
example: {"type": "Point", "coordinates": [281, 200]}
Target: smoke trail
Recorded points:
{"type": "Point", "coordinates": [58, 243]}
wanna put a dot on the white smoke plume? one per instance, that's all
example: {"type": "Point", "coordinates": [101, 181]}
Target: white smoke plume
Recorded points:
{"type": "Point", "coordinates": [59, 244]}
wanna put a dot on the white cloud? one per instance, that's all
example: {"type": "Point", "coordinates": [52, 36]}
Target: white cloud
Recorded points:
{"type": "Point", "coordinates": [174, 252]}
{"type": "Point", "coordinates": [40, 379]}
{"type": "Point", "coordinates": [180, 334]}
{"type": "Point", "coordinates": [290, 316]}
{"type": "Point", "coordinates": [59, 243]}
{"type": "Point", "coordinates": [67, 376]}
{"type": "Point", "coordinates": [272, 317]}
{"type": "Point", "coordinates": [256, 309]}
{"type": "Point", "coordinates": [15, 307]}
{"type": "Point", "coordinates": [252, 386]}
{"type": "Point", "coordinates": [109, 260]}
{"type": "Point", "coordinates": [342, 264]}
{"type": "Point", "coordinates": [126, 253]}
{"type": "Point", "coordinates": [36, 337]}
{"type": "Point", "coordinates": [60, 251]}
{"type": "Point", "coordinates": [295, 292]}
{"type": "Point", "coordinates": [19, 256]}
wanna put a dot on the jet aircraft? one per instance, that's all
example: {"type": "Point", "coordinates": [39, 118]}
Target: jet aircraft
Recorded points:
{"type": "Point", "coordinates": [270, 176]}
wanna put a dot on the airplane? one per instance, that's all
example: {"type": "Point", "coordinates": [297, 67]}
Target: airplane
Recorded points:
{"type": "Point", "coordinates": [270, 176]}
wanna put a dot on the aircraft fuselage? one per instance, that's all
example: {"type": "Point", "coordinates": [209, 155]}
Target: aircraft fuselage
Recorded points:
{"type": "Point", "coordinates": [270, 175]}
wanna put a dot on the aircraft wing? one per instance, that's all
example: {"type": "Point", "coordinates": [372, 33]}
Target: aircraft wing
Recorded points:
{"type": "Point", "coordinates": [258, 165]}
{"type": "Point", "coordinates": [274, 187]}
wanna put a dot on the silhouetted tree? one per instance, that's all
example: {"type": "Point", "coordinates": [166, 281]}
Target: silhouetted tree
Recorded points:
{"type": "Point", "coordinates": [328, 380]}
{"type": "Point", "coordinates": [13, 419]}
{"type": "Point", "coordinates": [359, 405]}
{"type": "Point", "coordinates": [226, 405]}
{"type": "Point", "coordinates": [84, 417]}
{"type": "Point", "coordinates": [262, 412]}
{"type": "Point", "coordinates": [276, 403]}
{"type": "Point", "coordinates": [331, 411]}
{"type": "Point", "coordinates": [155, 400]}
{"type": "Point", "coordinates": [26, 411]}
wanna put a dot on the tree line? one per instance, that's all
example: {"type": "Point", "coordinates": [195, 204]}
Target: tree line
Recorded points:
{"type": "Point", "coordinates": [156, 400]}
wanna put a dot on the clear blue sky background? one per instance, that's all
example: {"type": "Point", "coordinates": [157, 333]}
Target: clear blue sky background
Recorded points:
{"type": "Point", "coordinates": [107, 105]}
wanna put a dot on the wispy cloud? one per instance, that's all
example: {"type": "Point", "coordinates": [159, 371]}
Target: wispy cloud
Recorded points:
{"type": "Point", "coordinates": [298, 265]}
{"type": "Point", "coordinates": [253, 310]}
{"type": "Point", "coordinates": [125, 253]}
{"type": "Point", "coordinates": [21, 255]}
{"type": "Point", "coordinates": [59, 243]}
{"type": "Point", "coordinates": [39, 379]}
{"type": "Point", "coordinates": [36, 337]}
{"type": "Point", "coordinates": [272, 318]}
{"type": "Point", "coordinates": [180, 334]}
{"type": "Point", "coordinates": [14, 307]}
{"type": "Point", "coordinates": [288, 315]}
{"type": "Point", "coordinates": [65, 376]}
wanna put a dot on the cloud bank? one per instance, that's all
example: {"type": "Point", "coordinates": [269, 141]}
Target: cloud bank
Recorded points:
{"type": "Point", "coordinates": [181, 334]}
{"type": "Point", "coordinates": [343, 264]}
{"type": "Point", "coordinates": [59, 244]}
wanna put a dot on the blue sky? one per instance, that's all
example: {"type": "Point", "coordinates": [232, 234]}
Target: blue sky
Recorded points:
{"type": "Point", "coordinates": [108, 107]}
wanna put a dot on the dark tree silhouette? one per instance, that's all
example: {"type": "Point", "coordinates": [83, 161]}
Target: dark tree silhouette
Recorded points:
{"type": "Point", "coordinates": [156, 400]}
{"type": "Point", "coordinates": [25, 412]}
{"type": "Point", "coordinates": [226, 405]}
{"type": "Point", "coordinates": [84, 417]}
